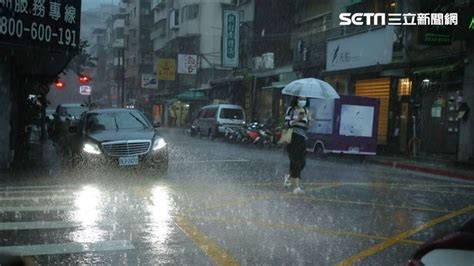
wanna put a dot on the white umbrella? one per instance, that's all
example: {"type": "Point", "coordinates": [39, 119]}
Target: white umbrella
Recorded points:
{"type": "Point", "coordinates": [311, 88]}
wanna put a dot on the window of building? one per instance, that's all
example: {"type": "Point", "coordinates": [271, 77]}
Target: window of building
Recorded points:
{"type": "Point", "coordinates": [193, 11]}
{"type": "Point", "coordinates": [161, 27]}
{"type": "Point", "coordinates": [189, 12]}
{"type": "Point", "coordinates": [119, 33]}
{"type": "Point", "coordinates": [404, 87]}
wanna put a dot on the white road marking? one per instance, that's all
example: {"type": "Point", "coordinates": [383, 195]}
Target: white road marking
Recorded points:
{"type": "Point", "coordinates": [37, 187]}
{"type": "Point", "coordinates": [53, 197]}
{"type": "Point", "coordinates": [36, 208]}
{"type": "Point", "coordinates": [211, 161]}
{"type": "Point", "coordinates": [37, 191]}
{"type": "Point", "coordinates": [37, 225]}
{"type": "Point", "coordinates": [67, 248]}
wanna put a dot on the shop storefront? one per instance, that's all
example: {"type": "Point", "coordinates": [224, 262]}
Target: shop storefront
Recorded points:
{"type": "Point", "coordinates": [439, 90]}
{"type": "Point", "coordinates": [355, 65]}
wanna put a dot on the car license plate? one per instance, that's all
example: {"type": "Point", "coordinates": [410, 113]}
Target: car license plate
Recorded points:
{"type": "Point", "coordinates": [354, 149]}
{"type": "Point", "coordinates": [128, 160]}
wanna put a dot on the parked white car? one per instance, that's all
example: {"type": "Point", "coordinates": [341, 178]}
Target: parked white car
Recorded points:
{"type": "Point", "coordinates": [213, 119]}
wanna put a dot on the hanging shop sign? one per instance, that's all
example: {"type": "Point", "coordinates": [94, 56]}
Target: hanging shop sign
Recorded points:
{"type": "Point", "coordinates": [51, 24]}
{"type": "Point", "coordinates": [149, 81]}
{"type": "Point", "coordinates": [187, 64]}
{"type": "Point", "coordinates": [166, 69]}
{"type": "Point", "coordinates": [231, 40]}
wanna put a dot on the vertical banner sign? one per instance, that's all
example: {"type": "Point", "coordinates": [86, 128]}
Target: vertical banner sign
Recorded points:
{"type": "Point", "coordinates": [231, 39]}
{"type": "Point", "coordinates": [52, 24]}
{"type": "Point", "coordinates": [187, 64]}
{"type": "Point", "coordinates": [166, 69]}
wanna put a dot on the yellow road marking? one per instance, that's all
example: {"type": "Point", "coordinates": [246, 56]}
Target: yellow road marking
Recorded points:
{"type": "Point", "coordinates": [218, 255]}
{"type": "Point", "coordinates": [304, 228]}
{"type": "Point", "coordinates": [253, 199]}
{"type": "Point", "coordinates": [366, 203]}
{"type": "Point", "coordinates": [420, 189]}
{"type": "Point", "coordinates": [400, 237]}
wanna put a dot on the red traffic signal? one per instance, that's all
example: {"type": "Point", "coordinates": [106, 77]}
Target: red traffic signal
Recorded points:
{"type": "Point", "coordinates": [84, 79]}
{"type": "Point", "coordinates": [59, 84]}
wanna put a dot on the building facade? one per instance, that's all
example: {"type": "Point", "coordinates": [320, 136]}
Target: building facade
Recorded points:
{"type": "Point", "coordinates": [138, 48]}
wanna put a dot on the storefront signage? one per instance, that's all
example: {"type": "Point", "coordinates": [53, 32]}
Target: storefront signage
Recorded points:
{"type": "Point", "coordinates": [149, 81]}
{"type": "Point", "coordinates": [187, 64]}
{"type": "Point", "coordinates": [361, 50]}
{"type": "Point", "coordinates": [231, 40]}
{"type": "Point", "coordinates": [51, 24]}
{"type": "Point", "coordinates": [166, 69]}
{"type": "Point", "coordinates": [436, 34]}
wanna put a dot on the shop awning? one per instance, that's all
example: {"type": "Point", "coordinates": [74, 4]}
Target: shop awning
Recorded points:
{"type": "Point", "coordinates": [436, 69]}
{"type": "Point", "coordinates": [191, 95]}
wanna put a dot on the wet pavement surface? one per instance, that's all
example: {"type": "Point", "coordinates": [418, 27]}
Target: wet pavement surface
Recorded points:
{"type": "Point", "coordinates": [225, 204]}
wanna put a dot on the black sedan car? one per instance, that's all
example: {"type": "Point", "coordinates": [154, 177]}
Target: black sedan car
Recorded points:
{"type": "Point", "coordinates": [120, 137]}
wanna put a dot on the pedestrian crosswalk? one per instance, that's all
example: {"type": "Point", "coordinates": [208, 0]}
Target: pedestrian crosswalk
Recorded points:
{"type": "Point", "coordinates": [37, 217]}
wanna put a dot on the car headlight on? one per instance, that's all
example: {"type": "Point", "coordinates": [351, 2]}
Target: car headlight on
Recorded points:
{"type": "Point", "coordinates": [159, 144]}
{"type": "Point", "coordinates": [91, 148]}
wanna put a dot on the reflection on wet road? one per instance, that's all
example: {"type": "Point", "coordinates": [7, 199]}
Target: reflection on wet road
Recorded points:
{"type": "Point", "coordinates": [225, 204]}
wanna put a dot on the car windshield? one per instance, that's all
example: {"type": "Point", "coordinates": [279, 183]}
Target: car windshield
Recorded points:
{"type": "Point", "coordinates": [116, 121]}
{"type": "Point", "coordinates": [228, 113]}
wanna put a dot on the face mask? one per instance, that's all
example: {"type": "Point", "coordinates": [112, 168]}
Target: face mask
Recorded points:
{"type": "Point", "coordinates": [301, 103]}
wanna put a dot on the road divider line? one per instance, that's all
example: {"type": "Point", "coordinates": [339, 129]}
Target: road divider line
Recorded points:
{"type": "Point", "coordinates": [372, 204]}
{"type": "Point", "coordinates": [37, 191]}
{"type": "Point", "coordinates": [212, 161]}
{"type": "Point", "coordinates": [424, 190]}
{"type": "Point", "coordinates": [305, 228]}
{"type": "Point", "coordinates": [55, 197]}
{"type": "Point", "coordinates": [235, 203]}
{"type": "Point", "coordinates": [36, 208]}
{"type": "Point", "coordinates": [217, 254]}
{"type": "Point", "coordinates": [67, 248]}
{"type": "Point", "coordinates": [38, 225]}
{"type": "Point", "coordinates": [402, 236]}
{"type": "Point", "coordinates": [253, 199]}
{"type": "Point", "coordinates": [36, 187]}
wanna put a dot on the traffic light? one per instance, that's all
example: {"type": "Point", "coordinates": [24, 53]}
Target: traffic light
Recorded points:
{"type": "Point", "coordinates": [59, 84]}
{"type": "Point", "coordinates": [84, 79]}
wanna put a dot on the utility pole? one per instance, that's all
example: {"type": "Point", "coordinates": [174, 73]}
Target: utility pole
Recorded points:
{"type": "Point", "coordinates": [122, 75]}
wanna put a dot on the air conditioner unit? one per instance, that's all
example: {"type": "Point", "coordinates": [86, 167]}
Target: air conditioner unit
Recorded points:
{"type": "Point", "coordinates": [174, 19]}
{"type": "Point", "coordinates": [257, 63]}
{"type": "Point", "coordinates": [268, 60]}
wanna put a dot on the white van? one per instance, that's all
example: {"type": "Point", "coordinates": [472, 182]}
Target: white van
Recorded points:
{"type": "Point", "coordinates": [213, 119]}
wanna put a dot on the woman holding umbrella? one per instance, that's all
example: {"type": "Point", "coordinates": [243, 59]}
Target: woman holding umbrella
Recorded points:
{"type": "Point", "coordinates": [297, 118]}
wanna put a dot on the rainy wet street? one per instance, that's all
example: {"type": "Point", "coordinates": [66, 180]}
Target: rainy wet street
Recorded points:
{"type": "Point", "coordinates": [225, 204]}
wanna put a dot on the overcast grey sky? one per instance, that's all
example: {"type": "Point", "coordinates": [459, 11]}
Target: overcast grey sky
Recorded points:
{"type": "Point", "coordinates": [88, 4]}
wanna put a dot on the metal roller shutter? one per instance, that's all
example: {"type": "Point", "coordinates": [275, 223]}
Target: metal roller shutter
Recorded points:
{"type": "Point", "coordinates": [377, 88]}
